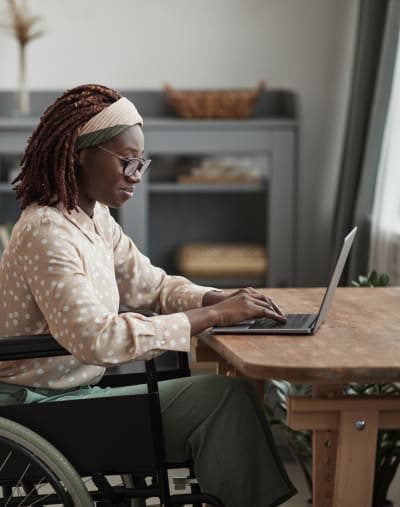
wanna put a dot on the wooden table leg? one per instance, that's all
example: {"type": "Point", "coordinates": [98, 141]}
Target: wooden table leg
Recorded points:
{"type": "Point", "coordinates": [224, 368]}
{"type": "Point", "coordinates": [355, 420]}
{"type": "Point", "coordinates": [358, 432]}
{"type": "Point", "coordinates": [324, 453]}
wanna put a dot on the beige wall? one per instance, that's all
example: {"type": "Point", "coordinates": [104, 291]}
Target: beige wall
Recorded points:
{"type": "Point", "coordinates": [304, 45]}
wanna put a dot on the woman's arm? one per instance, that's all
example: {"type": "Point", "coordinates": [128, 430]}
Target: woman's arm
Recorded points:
{"type": "Point", "coordinates": [143, 285]}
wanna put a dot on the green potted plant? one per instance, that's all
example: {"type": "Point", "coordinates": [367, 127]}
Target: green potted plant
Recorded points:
{"type": "Point", "coordinates": [373, 279]}
{"type": "Point", "coordinates": [300, 442]}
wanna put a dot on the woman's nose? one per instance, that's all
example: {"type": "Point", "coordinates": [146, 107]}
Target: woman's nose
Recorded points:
{"type": "Point", "coordinates": [136, 177]}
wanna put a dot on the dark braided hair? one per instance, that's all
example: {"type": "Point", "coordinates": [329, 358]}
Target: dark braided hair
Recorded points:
{"type": "Point", "coordinates": [48, 166]}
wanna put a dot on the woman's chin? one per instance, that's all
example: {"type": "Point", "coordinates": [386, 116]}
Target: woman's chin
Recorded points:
{"type": "Point", "coordinates": [118, 201]}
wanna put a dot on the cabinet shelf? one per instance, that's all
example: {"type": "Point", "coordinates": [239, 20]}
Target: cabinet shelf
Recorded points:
{"type": "Point", "coordinates": [206, 187]}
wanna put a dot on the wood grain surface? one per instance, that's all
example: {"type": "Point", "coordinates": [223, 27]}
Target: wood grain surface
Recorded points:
{"type": "Point", "coordinates": [359, 342]}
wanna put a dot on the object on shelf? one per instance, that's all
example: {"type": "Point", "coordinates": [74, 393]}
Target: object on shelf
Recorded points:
{"type": "Point", "coordinates": [214, 103]}
{"type": "Point", "coordinates": [223, 170]}
{"type": "Point", "coordinates": [221, 260]}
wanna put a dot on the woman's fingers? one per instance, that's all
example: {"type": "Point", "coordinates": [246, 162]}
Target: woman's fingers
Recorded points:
{"type": "Point", "coordinates": [277, 309]}
{"type": "Point", "coordinates": [263, 306]}
{"type": "Point", "coordinates": [246, 304]}
{"type": "Point", "coordinates": [271, 305]}
{"type": "Point", "coordinates": [273, 314]}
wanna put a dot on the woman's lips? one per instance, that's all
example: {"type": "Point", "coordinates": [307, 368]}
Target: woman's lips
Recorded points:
{"type": "Point", "coordinates": [128, 191]}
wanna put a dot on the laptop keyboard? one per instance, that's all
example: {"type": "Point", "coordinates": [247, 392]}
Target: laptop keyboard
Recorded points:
{"type": "Point", "coordinates": [294, 320]}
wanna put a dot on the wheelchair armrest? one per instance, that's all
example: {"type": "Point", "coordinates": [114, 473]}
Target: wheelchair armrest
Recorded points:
{"type": "Point", "coordinates": [43, 345]}
{"type": "Point", "coordinates": [30, 347]}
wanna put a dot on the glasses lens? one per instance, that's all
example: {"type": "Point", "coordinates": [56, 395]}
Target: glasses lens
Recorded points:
{"type": "Point", "coordinates": [132, 166]}
{"type": "Point", "coordinates": [144, 166]}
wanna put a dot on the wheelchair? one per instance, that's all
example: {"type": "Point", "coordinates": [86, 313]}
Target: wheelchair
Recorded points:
{"type": "Point", "coordinates": [91, 452]}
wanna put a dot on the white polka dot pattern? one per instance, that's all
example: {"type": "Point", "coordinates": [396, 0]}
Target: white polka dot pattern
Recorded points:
{"type": "Point", "coordinates": [67, 274]}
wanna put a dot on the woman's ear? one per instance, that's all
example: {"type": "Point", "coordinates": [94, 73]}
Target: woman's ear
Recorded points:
{"type": "Point", "coordinates": [81, 157]}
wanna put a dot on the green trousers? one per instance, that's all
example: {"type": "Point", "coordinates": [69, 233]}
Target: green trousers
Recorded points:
{"type": "Point", "coordinates": [216, 421]}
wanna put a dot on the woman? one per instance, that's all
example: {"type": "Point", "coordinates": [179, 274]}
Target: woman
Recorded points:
{"type": "Point", "coordinates": [69, 266]}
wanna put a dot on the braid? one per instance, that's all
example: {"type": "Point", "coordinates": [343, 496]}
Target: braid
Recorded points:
{"type": "Point", "coordinates": [48, 166]}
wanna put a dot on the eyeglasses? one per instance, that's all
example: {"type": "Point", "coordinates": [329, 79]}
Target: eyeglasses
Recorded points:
{"type": "Point", "coordinates": [130, 165]}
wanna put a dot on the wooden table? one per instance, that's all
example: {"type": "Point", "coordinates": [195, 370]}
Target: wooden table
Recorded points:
{"type": "Point", "coordinates": [359, 342]}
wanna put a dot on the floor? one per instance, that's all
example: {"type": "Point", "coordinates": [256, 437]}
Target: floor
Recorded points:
{"type": "Point", "coordinates": [300, 500]}
{"type": "Point", "coordinates": [296, 475]}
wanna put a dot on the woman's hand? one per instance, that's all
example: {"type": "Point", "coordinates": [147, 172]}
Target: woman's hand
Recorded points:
{"type": "Point", "coordinates": [222, 309]}
{"type": "Point", "coordinates": [245, 304]}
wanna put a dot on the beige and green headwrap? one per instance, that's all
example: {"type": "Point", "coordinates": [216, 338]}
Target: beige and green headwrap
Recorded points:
{"type": "Point", "coordinates": [110, 122]}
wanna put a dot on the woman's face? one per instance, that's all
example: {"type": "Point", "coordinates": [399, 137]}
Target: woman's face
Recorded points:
{"type": "Point", "coordinates": [100, 175]}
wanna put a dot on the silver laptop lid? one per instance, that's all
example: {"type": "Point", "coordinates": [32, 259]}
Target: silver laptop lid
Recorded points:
{"type": "Point", "coordinates": [327, 300]}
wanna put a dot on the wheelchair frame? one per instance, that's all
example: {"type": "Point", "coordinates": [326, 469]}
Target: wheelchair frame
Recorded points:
{"type": "Point", "coordinates": [77, 447]}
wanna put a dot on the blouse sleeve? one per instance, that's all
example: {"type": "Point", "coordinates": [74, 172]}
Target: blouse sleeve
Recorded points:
{"type": "Point", "coordinates": [142, 285]}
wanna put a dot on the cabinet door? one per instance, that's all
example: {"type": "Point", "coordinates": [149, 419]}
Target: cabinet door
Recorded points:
{"type": "Point", "coordinates": [9, 207]}
{"type": "Point", "coordinates": [13, 139]}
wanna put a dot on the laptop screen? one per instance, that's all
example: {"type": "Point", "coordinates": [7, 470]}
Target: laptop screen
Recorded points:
{"type": "Point", "coordinates": [337, 273]}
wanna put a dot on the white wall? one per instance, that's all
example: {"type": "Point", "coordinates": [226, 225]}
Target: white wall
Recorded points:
{"type": "Point", "coordinates": [304, 45]}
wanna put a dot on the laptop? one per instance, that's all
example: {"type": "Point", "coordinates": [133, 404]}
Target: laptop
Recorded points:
{"type": "Point", "coordinates": [297, 323]}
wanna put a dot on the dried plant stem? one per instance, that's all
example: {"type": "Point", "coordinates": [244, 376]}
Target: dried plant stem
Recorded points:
{"type": "Point", "coordinates": [22, 26]}
{"type": "Point", "coordinates": [23, 96]}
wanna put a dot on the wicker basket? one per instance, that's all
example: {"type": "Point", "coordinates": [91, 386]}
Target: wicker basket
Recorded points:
{"type": "Point", "coordinates": [221, 260]}
{"type": "Point", "coordinates": [213, 103]}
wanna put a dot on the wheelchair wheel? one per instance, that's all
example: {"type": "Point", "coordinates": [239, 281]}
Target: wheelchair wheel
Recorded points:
{"type": "Point", "coordinates": [34, 472]}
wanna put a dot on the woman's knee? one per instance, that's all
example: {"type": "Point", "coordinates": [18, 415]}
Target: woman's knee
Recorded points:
{"type": "Point", "coordinates": [205, 393]}
{"type": "Point", "coordinates": [221, 386]}
{"type": "Point", "coordinates": [216, 383]}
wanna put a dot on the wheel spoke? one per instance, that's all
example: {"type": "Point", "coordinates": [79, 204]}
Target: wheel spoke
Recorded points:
{"type": "Point", "coordinates": [35, 488]}
{"type": "Point", "coordinates": [5, 460]}
{"type": "Point", "coordinates": [41, 499]}
{"type": "Point", "coordinates": [19, 483]}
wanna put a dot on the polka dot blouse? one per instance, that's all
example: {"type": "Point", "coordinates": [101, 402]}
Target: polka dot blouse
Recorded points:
{"type": "Point", "coordinates": [66, 274]}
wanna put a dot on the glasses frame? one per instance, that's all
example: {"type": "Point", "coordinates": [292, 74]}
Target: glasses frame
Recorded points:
{"type": "Point", "coordinates": [145, 162]}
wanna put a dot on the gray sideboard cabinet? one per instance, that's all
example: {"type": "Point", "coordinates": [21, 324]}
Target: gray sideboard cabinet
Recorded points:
{"type": "Point", "coordinates": [165, 214]}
